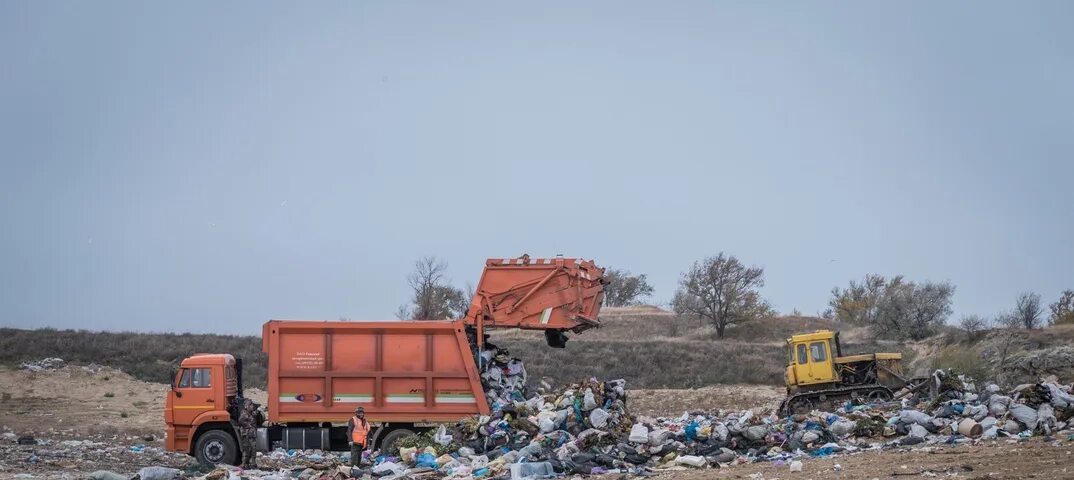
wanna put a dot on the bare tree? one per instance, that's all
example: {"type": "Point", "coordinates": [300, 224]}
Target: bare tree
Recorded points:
{"type": "Point", "coordinates": [895, 307]}
{"type": "Point", "coordinates": [974, 326]}
{"type": "Point", "coordinates": [907, 310]}
{"type": "Point", "coordinates": [1028, 311]}
{"type": "Point", "coordinates": [625, 289]}
{"type": "Point", "coordinates": [433, 296]}
{"type": "Point", "coordinates": [722, 291]}
{"type": "Point", "coordinates": [857, 303]}
{"type": "Point", "coordinates": [1063, 309]}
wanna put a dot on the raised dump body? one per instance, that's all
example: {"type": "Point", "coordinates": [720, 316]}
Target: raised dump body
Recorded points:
{"type": "Point", "coordinates": [412, 372]}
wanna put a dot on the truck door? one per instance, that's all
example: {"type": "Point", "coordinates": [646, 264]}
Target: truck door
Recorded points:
{"type": "Point", "coordinates": [192, 395]}
{"type": "Point", "coordinates": [820, 365]}
{"type": "Point", "coordinates": [801, 364]}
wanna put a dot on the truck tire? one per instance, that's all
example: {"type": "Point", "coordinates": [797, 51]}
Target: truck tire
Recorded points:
{"type": "Point", "coordinates": [216, 447]}
{"type": "Point", "coordinates": [387, 444]}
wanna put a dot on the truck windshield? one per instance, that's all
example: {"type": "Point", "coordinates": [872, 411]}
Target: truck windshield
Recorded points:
{"type": "Point", "coordinates": [818, 351]}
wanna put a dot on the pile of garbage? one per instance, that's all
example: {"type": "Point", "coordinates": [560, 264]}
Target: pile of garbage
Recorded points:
{"type": "Point", "coordinates": [503, 377]}
{"type": "Point", "coordinates": [586, 429]}
{"type": "Point", "coordinates": [43, 365]}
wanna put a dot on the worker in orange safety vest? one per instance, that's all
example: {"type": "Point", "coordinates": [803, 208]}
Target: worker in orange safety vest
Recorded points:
{"type": "Point", "coordinates": [358, 432]}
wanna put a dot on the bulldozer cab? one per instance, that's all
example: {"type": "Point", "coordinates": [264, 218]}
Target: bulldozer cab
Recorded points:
{"type": "Point", "coordinates": [810, 359]}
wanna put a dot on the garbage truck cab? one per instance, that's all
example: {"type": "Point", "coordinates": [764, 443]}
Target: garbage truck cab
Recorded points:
{"type": "Point", "coordinates": [198, 409]}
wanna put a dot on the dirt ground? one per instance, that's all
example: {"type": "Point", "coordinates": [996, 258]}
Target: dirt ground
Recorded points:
{"type": "Point", "coordinates": [673, 402]}
{"type": "Point", "coordinates": [1032, 458]}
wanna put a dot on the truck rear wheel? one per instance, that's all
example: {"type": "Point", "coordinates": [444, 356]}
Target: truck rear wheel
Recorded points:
{"type": "Point", "coordinates": [387, 444]}
{"type": "Point", "coordinates": [216, 447]}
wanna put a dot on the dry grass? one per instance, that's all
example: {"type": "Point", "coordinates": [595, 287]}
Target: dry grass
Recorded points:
{"type": "Point", "coordinates": [145, 356]}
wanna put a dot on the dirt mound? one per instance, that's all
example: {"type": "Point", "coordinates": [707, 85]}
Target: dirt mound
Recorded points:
{"type": "Point", "coordinates": [83, 402]}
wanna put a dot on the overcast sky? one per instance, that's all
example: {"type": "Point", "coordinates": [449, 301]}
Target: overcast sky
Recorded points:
{"type": "Point", "coordinates": [206, 166]}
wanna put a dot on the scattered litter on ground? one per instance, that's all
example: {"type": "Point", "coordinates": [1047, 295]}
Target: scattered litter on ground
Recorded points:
{"type": "Point", "coordinates": [586, 428]}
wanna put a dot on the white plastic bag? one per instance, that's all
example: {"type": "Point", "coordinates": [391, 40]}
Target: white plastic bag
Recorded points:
{"type": "Point", "coordinates": [639, 433]}
{"type": "Point", "coordinates": [1025, 415]}
{"type": "Point", "coordinates": [442, 436]}
{"type": "Point", "coordinates": [599, 418]}
{"type": "Point", "coordinates": [914, 416]}
{"type": "Point", "coordinates": [658, 436]}
{"type": "Point", "coordinates": [588, 401]}
{"type": "Point", "coordinates": [158, 473]}
{"type": "Point", "coordinates": [691, 460]}
{"type": "Point", "coordinates": [918, 431]}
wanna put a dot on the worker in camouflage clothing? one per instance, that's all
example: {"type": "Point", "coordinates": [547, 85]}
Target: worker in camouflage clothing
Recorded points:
{"type": "Point", "coordinates": [248, 433]}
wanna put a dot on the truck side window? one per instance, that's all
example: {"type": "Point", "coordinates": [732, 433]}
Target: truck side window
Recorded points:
{"type": "Point", "coordinates": [202, 378]}
{"type": "Point", "coordinates": [802, 358]}
{"type": "Point", "coordinates": [817, 349]}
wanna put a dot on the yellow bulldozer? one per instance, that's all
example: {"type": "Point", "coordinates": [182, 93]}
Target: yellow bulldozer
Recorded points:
{"type": "Point", "coordinates": [818, 376]}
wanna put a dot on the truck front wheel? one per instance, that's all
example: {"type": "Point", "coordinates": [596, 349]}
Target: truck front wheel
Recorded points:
{"type": "Point", "coordinates": [216, 447]}
{"type": "Point", "coordinates": [387, 444]}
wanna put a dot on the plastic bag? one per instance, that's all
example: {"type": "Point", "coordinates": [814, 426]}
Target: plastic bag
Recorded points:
{"type": "Point", "coordinates": [721, 432]}
{"type": "Point", "coordinates": [918, 431]}
{"type": "Point", "coordinates": [1025, 415]}
{"type": "Point", "coordinates": [426, 460]}
{"type": "Point", "coordinates": [691, 460]}
{"type": "Point", "coordinates": [1060, 398]}
{"type": "Point", "coordinates": [1046, 418]}
{"type": "Point", "coordinates": [523, 471]}
{"type": "Point", "coordinates": [158, 473]}
{"type": "Point", "coordinates": [691, 431]}
{"type": "Point", "coordinates": [842, 427]}
{"type": "Point", "coordinates": [639, 433]}
{"type": "Point", "coordinates": [589, 402]}
{"type": "Point", "coordinates": [658, 436]}
{"type": "Point", "coordinates": [914, 416]}
{"type": "Point", "coordinates": [997, 405]}
{"type": "Point", "coordinates": [442, 436]}
{"type": "Point", "coordinates": [106, 475]}
{"type": "Point", "coordinates": [599, 418]}
{"type": "Point", "coordinates": [755, 433]}
{"type": "Point", "coordinates": [407, 454]}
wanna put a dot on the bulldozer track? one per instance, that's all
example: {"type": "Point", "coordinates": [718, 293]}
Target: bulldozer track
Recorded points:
{"type": "Point", "coordinates": [814, 398]}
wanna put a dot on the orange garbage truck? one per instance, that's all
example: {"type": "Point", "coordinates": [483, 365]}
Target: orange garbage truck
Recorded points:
{"type": "Point", "coordinates": [409, 376]}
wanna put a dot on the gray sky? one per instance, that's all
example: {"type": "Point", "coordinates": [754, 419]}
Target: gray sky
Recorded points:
{"type": "Point", "coordinates": [206, 166]}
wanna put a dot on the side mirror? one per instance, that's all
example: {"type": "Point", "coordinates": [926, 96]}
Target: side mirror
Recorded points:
{"type": "Point", "coordinates": [172, 383]}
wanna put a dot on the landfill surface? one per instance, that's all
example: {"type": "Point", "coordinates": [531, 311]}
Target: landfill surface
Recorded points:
{"type": "Point", "coordinates": [958, 428]}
